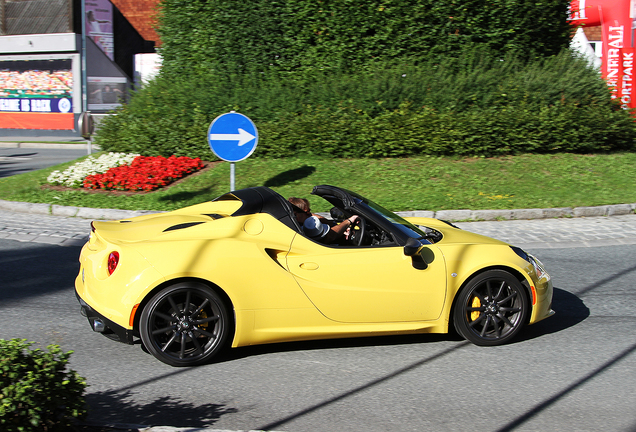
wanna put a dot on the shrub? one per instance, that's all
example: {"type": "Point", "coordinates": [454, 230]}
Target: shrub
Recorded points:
{"type": "Point", "coordinates": [409, 130]}
{"type": "Point", "coordinates": [291, 35]}
{"type": "Point", "coordinates": [474, 105]}
{"type": "Point", "coordinates": [37, 393]}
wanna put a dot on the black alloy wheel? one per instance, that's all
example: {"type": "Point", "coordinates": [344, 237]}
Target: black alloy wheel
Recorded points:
{"type": "Point", "coordinates": [491, 309]}
{"type": "Point", "coordinates": [185, 324]}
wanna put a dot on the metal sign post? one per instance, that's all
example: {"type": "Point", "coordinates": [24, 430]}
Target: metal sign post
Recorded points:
{"type": "Point", "coordinates": [83, 56]}
{"type": "Point", "coordinates": [232, 175]}
{"type": "Point", "coordinates": [232, 137]}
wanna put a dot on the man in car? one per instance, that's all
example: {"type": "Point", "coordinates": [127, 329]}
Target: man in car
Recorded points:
{"type": "Point", "coordinates": [317, 227]}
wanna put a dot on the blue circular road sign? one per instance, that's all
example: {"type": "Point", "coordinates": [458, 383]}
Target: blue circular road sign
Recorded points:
{"type": "Point", "coordinates": [232, 137]}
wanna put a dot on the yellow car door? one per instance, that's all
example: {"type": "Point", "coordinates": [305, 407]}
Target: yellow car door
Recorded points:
{"type": "Point", "coordinates": [368, 284]}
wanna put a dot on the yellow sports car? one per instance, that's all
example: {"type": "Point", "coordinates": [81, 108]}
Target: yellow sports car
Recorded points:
{"type": "Point", "coordinates": [239, 271]}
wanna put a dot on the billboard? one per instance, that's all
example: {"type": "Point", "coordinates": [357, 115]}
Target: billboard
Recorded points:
{"type": "Point", "coordinates": [106, 93]}
{"type": "Point", "coordinates": [99, 25]}
{"type": "Point", "coordinates": [36, 87]}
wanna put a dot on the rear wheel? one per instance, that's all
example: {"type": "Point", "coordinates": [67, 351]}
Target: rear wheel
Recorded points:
{"type": "Point", "coordinates": [185, 324]}
{"type": "Point", "coordinates": [491, 309]}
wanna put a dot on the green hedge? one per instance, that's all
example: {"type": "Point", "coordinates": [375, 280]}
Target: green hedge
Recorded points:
{"type": "Point", "coordinates": [371, 78]}
{"type": "Point", "coordinates": [474, 105]}
{"type": "Point", "coordinates": [36, 391]}
{"type": "Point", "coordinates": [289, 35]}
{"type": "Point", "coordinates": [408, 131]}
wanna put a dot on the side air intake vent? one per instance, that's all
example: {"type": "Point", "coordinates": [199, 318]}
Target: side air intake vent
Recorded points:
{"type": "Point", "coordinates": [182, 226]}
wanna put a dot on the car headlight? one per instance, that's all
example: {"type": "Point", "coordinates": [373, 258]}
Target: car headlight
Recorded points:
{"type": "Point", "coordinates": [539, 268]}
{"type": "Point", "coordinates": [538, 265]}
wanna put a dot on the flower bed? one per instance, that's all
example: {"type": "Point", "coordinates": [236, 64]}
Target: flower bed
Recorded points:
{"type": "Point", "coordinates": [145, 173]}
{"type": "Point", "coordinates": [74, 175]}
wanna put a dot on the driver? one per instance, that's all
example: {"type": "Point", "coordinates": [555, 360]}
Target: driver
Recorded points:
{"type": "Point", "coordinates": [317, 227]}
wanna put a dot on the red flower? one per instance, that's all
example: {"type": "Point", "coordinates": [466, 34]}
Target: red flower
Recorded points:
{"type": "Point", "coordinates": [145, 173]}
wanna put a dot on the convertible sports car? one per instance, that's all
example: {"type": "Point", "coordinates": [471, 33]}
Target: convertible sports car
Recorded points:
{"type": "Point", "coordinates": [238, 270]}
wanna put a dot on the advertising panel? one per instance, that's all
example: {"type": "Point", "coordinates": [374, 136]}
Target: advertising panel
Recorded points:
{"type": "Point", "coordinates": [106, 93]}
{"type": "Point", "coordinates": [39, 86]}
{"type": "Point", "coordinates": [616, 18]}
{"type": "Point", "coordinates": [99, 25]}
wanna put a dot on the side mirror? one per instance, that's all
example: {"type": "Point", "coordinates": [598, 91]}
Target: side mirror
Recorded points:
{"type": "Point", "coordinates": [421, 256]}
{"type": "Point", "coordinates": [412, 247]}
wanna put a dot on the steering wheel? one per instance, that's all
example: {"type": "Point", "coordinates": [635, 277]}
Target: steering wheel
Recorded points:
{"type": "Point", "coordinates": [358, 235]}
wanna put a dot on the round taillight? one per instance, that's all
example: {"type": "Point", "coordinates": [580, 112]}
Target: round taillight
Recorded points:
{"type": "Point", "coordinates": [113, 260]}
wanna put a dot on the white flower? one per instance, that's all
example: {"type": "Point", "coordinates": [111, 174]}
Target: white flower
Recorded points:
{"type": "Point", "coordinates": [74, 175]}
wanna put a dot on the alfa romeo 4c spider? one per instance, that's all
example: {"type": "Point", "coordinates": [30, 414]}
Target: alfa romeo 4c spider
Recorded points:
{"type": "Point", "coordinates": [239, 271]}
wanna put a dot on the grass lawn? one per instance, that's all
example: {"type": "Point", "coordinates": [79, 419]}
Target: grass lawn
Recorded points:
{"type": "Point", "coordinates": [421, 183]}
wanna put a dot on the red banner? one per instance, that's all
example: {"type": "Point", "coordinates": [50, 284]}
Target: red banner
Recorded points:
{"type": "Point", "coordinates": [618, 53]}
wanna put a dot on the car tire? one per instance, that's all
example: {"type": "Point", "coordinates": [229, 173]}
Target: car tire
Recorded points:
{"type": "Point", "coordinates": [185, 324]}
{"type": "Point", "coordinates": [491, 309]}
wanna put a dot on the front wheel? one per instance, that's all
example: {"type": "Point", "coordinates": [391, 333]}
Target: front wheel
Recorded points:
{"type": "Point", "coordinates": [185, 324]}
{"type": "Point", "coordinates": [491, 309]}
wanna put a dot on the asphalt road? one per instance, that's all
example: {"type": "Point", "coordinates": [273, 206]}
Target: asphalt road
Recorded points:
{"type": "Point", "coordinates": [20, 160]}
{"type": "Point", "coordinates": [573, 371]}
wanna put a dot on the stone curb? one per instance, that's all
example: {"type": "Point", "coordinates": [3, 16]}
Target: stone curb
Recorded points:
{"type": "Point", "coordinates": [450, 215]}
{"type": "Point", "coordinates": [63, 146]}
{"type": "Point", "coordinates": [69, 211]}
{"type": "Point", "coordinates": [523, 214]}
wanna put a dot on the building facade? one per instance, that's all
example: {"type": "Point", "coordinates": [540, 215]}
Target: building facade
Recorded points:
{"type": "Point", "coordinates": [59, 58]}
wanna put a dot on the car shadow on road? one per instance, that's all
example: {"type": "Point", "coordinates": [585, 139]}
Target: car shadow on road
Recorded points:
{"type": "Point", "coordinates": [325, 344]}
{"type": "Point", "coordinates": [569, 311]}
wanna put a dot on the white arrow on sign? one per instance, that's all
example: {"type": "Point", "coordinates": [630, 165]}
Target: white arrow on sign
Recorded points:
{"type": "Point", "coordinates": [243, 137]}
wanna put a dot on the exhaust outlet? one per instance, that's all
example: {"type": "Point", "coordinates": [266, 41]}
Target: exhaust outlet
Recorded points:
{"type": "Point", "coordinates": [99, 326]}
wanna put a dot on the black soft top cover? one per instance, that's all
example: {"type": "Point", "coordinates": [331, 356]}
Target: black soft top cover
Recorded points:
{"type": "Point", "coordinates": [262, 199]}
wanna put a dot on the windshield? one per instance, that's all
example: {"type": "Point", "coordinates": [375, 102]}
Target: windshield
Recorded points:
{"type": "Point", "coordinates": [398, 222]}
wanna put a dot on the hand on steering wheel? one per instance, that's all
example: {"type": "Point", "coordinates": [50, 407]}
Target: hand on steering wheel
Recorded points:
{"type": "Point", "coordinates": [357, 235]}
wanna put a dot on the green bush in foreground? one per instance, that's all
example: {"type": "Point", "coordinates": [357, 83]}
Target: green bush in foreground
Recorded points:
{"type": "Point", "coordinates": [36, 392]}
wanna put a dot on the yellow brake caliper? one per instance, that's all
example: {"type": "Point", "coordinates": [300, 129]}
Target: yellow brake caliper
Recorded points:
{"type": "Point", "coordinates": [475, 314]}
{"type": "Point", "coordinates": [203, 315]}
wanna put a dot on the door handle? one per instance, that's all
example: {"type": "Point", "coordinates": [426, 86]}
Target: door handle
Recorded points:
{"type": "Point", "coordinates": [309, 266]}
